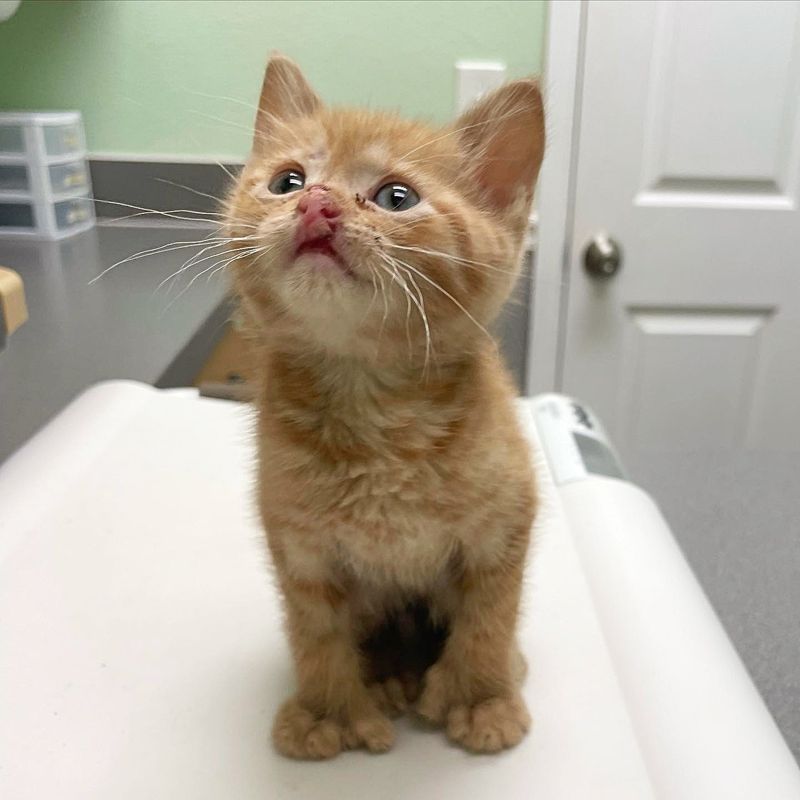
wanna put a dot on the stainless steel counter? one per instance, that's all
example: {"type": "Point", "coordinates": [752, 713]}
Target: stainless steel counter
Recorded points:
{"type": "Point", "coordinates": [119, 327]}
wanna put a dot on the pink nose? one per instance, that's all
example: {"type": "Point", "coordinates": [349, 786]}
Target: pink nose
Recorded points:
{"type": "Point", "coordinates": [317, 208]}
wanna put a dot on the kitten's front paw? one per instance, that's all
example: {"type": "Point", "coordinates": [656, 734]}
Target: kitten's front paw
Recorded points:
{"type": "Point", "coordinates": [489, 726]}
{"type": "Point", "coordinates": [484, 726]}
{"type": "Point", "coordinates": [297, 733]}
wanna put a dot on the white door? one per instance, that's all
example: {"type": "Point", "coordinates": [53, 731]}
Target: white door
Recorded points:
{"type": "Point", "coordinates": [689, 157]}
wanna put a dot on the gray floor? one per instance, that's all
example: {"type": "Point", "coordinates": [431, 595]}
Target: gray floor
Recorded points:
{"type": "Point", "coordinates": [122, 326]}
{"type": "Point", "coordinates": [737, 518]}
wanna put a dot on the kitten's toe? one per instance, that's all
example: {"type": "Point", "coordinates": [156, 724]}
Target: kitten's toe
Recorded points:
{"type": "Point", "coordinates": [489, 726]}
{"type": "Point", "coordinates": [324, 740]}
{"type": "Point", "coordinates": [435, 698]}
{"type": "Point", "coordinates": [298, 734]}
{"type": "Point", "coordinates": [412, 687]}
{"type": "Point", "coordinates": [374, 733]}
{"type": "Point", "coordinates": [390, 697]}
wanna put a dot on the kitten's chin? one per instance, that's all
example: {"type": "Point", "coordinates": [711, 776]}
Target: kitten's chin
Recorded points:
{"type": "Point", "coordinates": [323, 263]}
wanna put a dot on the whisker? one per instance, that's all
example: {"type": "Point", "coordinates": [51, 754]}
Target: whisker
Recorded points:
{"type": "Point", "coordinates": [157, 211]}
{"type": "Point", "coordinates": [385, 306]}
{"type": "Point", "coordinates": [419, 302]}
{"type": "Point", "coordinates": [226, 170]}
{"type": "Point", "coordinates": [420, 219]}
{"type": "Point", "coordinates": [493, 120]}
{"type": "Point", "coordinates": [451, 257]}
{"type": "Point", "coordinates": [244, 103]}
{"type": "Point", "coordinates": [448, 295]}
{"type": "Point", "coordinates": [192, 261]}
{"type": "Point", "coordinates": [256, 135]}
{"type": "Point", "coordinates": [166, 248]}
{"type": "Point", "coordinates": [208, 269]}
{"type": "Point", "coordinates": [429, 350]}
{"type": "Point", "coordinates": [374, 294]}
{"type": "Point", "coordinates": [396, 277]}
{"type": "Point", "coordinates": [216, 225]}
{"type": "Point", "coordinates": [408, 317]}
{"type": "Point", "coordinates": [248, 129]}
{"type": "Point", "coordinates": [104, 222]}
{"type": "Point", "coordinates": [189, 189]}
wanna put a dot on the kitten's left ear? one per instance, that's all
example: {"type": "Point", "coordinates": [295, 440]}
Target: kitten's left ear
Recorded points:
{"type": "Point", "coordinates": [285, 95]}
{"type": "Point", "coordinates": [503, 139]}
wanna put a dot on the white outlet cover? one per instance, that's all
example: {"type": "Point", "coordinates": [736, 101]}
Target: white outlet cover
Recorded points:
{"type": "Point", "coordinates": [7, 9]}
{"type": "Point", "coordinates": [475, 78]}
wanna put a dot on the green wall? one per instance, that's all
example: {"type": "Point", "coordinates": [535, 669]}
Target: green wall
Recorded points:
{"type": "Point", "coordinates": [141, 71]}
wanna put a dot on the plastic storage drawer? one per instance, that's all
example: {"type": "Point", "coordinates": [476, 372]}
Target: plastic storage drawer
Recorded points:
{"type": "Point", "coordinates": [45, 186]}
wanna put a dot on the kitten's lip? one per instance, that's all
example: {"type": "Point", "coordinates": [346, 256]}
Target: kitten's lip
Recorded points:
{"type": "Point", "coordinates": [325, 252]}
{"type": "Point", "coordinates": [320, 244]}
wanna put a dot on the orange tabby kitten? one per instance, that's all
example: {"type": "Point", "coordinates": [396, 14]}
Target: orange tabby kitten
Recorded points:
{"type": "Point", "coordinates": [395, 486]}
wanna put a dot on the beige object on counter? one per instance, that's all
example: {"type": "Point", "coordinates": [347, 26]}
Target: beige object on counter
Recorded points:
{"type": "Point", "coordinates": [13, 311]}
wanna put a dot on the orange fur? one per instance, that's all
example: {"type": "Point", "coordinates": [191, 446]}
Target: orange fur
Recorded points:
{"type": "Point", "coordinates": [392, 470]}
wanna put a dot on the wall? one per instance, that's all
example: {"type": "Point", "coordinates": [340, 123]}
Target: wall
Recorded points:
{"type": "Point", "coordinates": [150, 75]}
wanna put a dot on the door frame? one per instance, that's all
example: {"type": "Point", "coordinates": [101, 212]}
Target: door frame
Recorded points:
{"type": "Point", "coordinates": [549, 289]}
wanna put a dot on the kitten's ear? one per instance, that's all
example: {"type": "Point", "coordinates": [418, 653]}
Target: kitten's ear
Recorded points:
{"type": "Point", "coordinates": [285, 95]}
{"type": "Point", "coordinates": [503, 139]}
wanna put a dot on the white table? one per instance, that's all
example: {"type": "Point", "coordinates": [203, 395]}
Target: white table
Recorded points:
{"type": "Point", "coordinates": [142, 653]}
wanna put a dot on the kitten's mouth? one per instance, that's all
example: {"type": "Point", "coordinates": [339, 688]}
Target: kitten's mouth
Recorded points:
{"type": "Point", "coordinates": [321, 244]}
{"type": "Point", "coordinates": [323, 253]}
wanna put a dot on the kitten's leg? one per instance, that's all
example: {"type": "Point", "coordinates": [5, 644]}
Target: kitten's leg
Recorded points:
{"type": "Point", "coordinates": [332, 709]}
{"type": "Point", "coordinates": [474, 687]}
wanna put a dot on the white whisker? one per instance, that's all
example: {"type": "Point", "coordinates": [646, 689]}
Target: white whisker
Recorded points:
{"type": "Point", "coordinates": [168, 248]}
{"type": "Point", "coordinates": [190, 189]}
{"type": "Point", "coordinates": [450, 257]}
{"type": "Point", "coordinates": [208, 269]}
{"type": "Point", "coordinates": [448, 295]}
{"type": "Point", "coordinates": [173, 213]}
{"type": "Point", "coordinates": [192, 261]}
{"type": "Point", "coordinates": [456, 131]}
{"type": "Point", "coordinates": [419, 302]}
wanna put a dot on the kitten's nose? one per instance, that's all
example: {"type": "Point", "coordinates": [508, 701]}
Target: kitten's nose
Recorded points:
{"type": "Point", "coordinates": [318, 208]}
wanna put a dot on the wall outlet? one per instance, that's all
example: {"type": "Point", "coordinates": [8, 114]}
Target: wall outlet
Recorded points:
{"type": "Point", "coordinates": [475, 78]}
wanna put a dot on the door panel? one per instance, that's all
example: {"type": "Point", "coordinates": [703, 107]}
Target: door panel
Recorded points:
{"type": "Point", "coordinates": [689, 156]}
{"type": "Point", "coordinates": [711, 128]}
{"type": "Point", "coordinates": [669, 403]}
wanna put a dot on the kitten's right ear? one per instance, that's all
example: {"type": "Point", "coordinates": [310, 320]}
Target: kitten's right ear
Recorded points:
{"type": "Point", "coordinates": [285, 95]}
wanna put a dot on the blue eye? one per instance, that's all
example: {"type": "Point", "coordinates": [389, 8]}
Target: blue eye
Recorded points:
{"type": "Point", "coordinates": [290, 180]}
{"type": "Point", "coordinates": [396, 197]}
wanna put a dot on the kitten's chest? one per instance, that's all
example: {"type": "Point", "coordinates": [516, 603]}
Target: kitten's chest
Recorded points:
{"type": "Point", "coordinates": [408, 552]}
{"type": "Point", "coordinates": [383, 520]}
{"type": "Point", "coordinates": [374, 477]}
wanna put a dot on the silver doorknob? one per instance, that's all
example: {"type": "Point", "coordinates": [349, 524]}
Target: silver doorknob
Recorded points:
{"type": "Point", "coordinates": [602, 257]}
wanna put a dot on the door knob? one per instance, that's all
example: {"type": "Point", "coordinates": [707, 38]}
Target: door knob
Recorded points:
{"type": "Point", "coordinates": [602, 257]}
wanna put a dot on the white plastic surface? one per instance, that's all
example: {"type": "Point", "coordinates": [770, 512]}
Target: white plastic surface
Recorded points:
{"type": "Point", "coordinates": [702, 726]}
{"type": "Point", "coordinates": [142, 654]}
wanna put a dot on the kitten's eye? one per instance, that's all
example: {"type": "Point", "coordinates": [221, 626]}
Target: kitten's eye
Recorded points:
{"type": "Point", "coordinates": [290, 180]}
{"type": "Point", "coordinates": [396, 197]}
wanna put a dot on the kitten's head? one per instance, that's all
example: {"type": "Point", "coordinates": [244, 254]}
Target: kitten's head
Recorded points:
{"type": "Point", "coordinates": [371, 235]}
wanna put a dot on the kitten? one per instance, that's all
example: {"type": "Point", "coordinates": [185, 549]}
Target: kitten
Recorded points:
{"type": "Point", "coordinates": [395, 486]}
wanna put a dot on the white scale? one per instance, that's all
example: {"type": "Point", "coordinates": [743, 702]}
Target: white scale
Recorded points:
{"type": "Point", "coordinates": [142, 654]}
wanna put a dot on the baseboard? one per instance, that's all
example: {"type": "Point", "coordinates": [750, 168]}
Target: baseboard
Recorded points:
{"type": "Point", "coordinates": [159, 185]}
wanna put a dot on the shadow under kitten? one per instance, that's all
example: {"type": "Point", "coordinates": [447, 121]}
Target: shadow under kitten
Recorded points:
{"type": "Point", "coordinates": [404, 646]}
